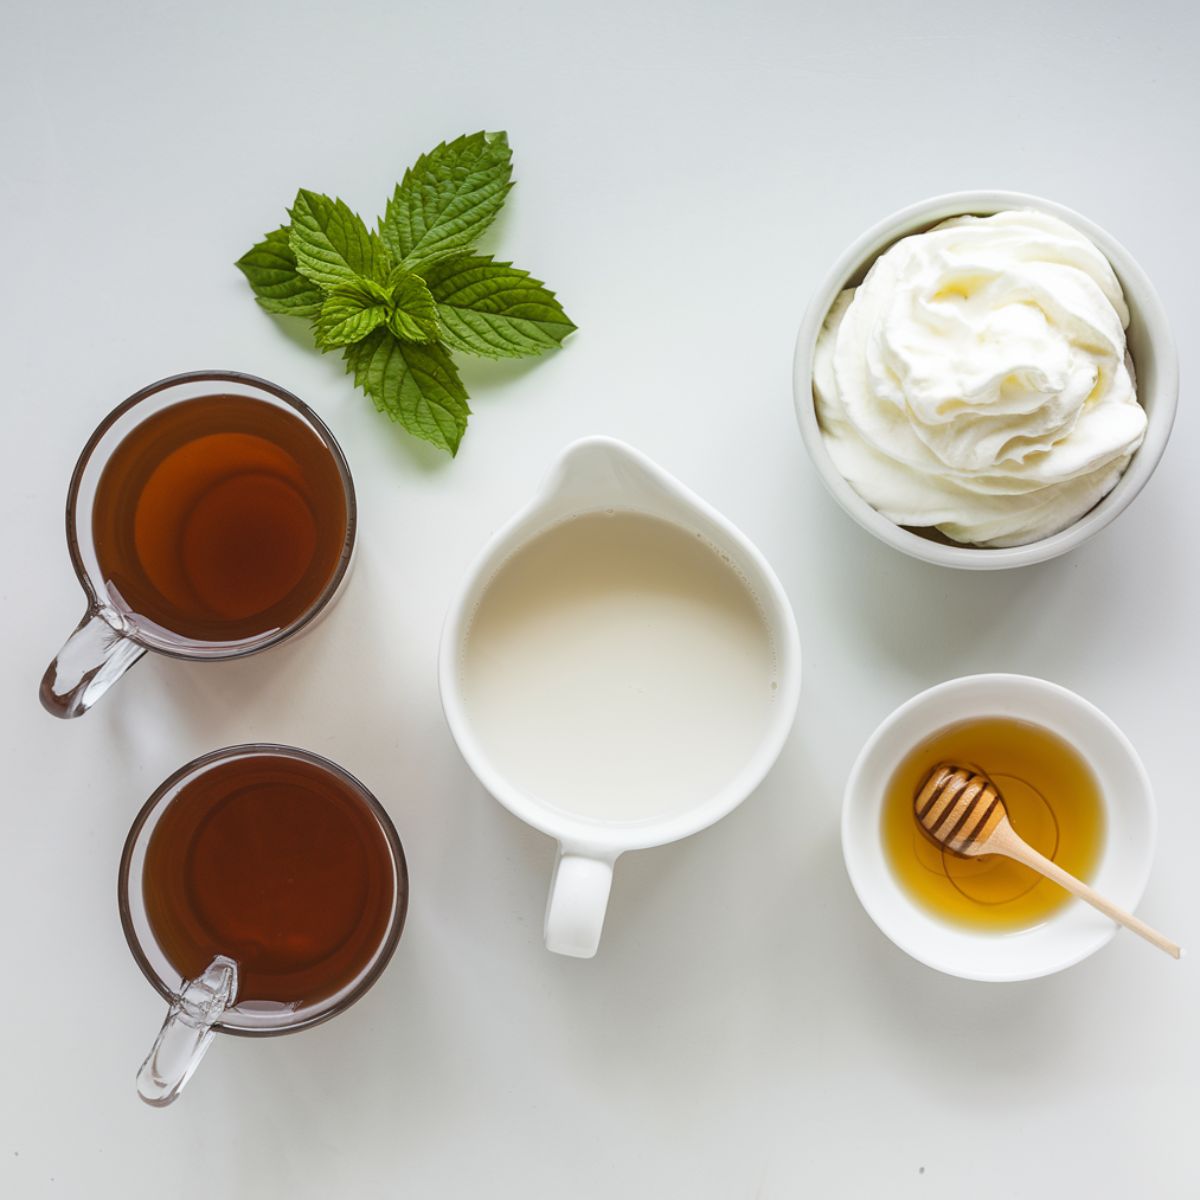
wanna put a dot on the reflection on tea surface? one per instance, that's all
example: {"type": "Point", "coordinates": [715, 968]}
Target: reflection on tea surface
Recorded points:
{"type": "Point", "coordinates": [219, 519]}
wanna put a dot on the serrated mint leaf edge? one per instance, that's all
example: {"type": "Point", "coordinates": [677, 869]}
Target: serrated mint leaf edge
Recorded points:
{"type": "Point", "coordinates": [332, 243]}
{"type": "Point", "coordinates": [416, 386]}
{"type": "Point", "coordinates": [270, 269]}
{"type": "Point", "coordinates": [496, 310]}
{"type": "Point", "coordinates": [432, 214]}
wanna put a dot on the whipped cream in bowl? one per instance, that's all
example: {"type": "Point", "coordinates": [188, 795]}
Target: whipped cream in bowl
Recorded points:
{"type": "Point", "coordinates": [985, 380]}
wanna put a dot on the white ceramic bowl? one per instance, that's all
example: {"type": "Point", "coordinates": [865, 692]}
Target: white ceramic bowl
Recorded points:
{"type": "Point", "coordinates": [1075, 930]}
{"type": "Point", "coordinates": [1150, 344]}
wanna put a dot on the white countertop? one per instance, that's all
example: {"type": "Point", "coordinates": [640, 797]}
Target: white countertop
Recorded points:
{"type": "Point", "coordinates": [685, 174]}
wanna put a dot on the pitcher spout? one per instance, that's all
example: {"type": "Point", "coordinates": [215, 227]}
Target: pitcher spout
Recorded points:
{"type": "Point", "coordinates": [595, 472]}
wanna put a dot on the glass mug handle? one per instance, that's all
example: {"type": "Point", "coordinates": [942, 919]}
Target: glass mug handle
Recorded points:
{"type": "Point", "coordinates": [95, 656]}
{"type": "Point", "coordinates": [578, 901]}
{"type": "Point", "coordinates": [187, 1032]}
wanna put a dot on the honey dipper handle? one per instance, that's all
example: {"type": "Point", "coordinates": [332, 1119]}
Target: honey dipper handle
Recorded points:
{"type": "Point", "coordinates": [1009, 843]}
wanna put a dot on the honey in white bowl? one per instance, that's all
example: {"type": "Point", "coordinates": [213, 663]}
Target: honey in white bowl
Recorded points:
{"type": "Point", "coordinates": [1054, 802]}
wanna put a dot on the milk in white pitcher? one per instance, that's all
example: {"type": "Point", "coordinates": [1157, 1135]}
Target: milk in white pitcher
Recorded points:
{"type": "Point", "coordinates": [618, 667]}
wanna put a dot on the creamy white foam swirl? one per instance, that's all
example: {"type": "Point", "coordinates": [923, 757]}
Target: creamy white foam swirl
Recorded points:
{"type": "Point", "coordinates": [977, 380]}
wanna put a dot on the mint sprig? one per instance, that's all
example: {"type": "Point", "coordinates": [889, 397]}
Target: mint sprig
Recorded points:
{"type": "Point", "coordinates": [397, 299]}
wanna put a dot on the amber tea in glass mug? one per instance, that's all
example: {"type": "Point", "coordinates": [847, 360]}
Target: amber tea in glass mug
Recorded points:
{"type": "Point", "coordinates": [262, 890]}
{"type": "Point", "coordinates": [210, 516]}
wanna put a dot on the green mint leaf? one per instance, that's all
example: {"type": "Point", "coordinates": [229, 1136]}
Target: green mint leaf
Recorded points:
{"type": "Point", "coordinates": [270, 268]}
{"type": "Point", "coordinates": [350, 312]}
{"type": "Point", "coordinates": [495, 309]}
{"type": "Point", "coordinates": [417, 386]}
{"type": "Point", "coordinates": [331, 243]}
{"type": "Point", "coordinates": [413, 316]}
{"type": "Point", "coordinates": [391, 298]}
{"type": "Point", "coordinates": [448, 198]}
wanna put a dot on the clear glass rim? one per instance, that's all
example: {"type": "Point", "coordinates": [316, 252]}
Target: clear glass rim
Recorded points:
{"type": "Point", "coordinates": [197, 653]}
{"type": "Point", "coordinates": [168, 787]}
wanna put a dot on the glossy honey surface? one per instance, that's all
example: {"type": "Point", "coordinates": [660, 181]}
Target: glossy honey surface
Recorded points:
{"type": "Point", "coordinates": [1054, 803]}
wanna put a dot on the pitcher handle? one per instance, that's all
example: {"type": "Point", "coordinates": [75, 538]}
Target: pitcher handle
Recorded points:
{"type": "Point", "coordinates": [578, 901]}
{"type": "Point", "coordinates": [187, 1032]}
{"type": "Point", "coordinates": [95, 656]}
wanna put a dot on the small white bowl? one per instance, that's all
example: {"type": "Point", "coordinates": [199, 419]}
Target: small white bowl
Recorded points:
{"type": "Point", "coordinates": [1150, 345]}
{"type": "Point", "coordinates": [1074, 931]}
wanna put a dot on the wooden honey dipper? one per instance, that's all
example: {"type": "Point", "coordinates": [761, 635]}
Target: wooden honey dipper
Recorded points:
{"type": "Point", "coordinates": [963, 811]}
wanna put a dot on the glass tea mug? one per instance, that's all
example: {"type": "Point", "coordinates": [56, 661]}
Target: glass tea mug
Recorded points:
{"type": "Point", "coordinates": [210, 1002]}
{"type": "Point", "coordinates": [111, 638]}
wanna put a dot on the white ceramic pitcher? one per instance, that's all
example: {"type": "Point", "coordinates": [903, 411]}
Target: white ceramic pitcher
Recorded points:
{"type": "Point", "coordinates": [595, 474]}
